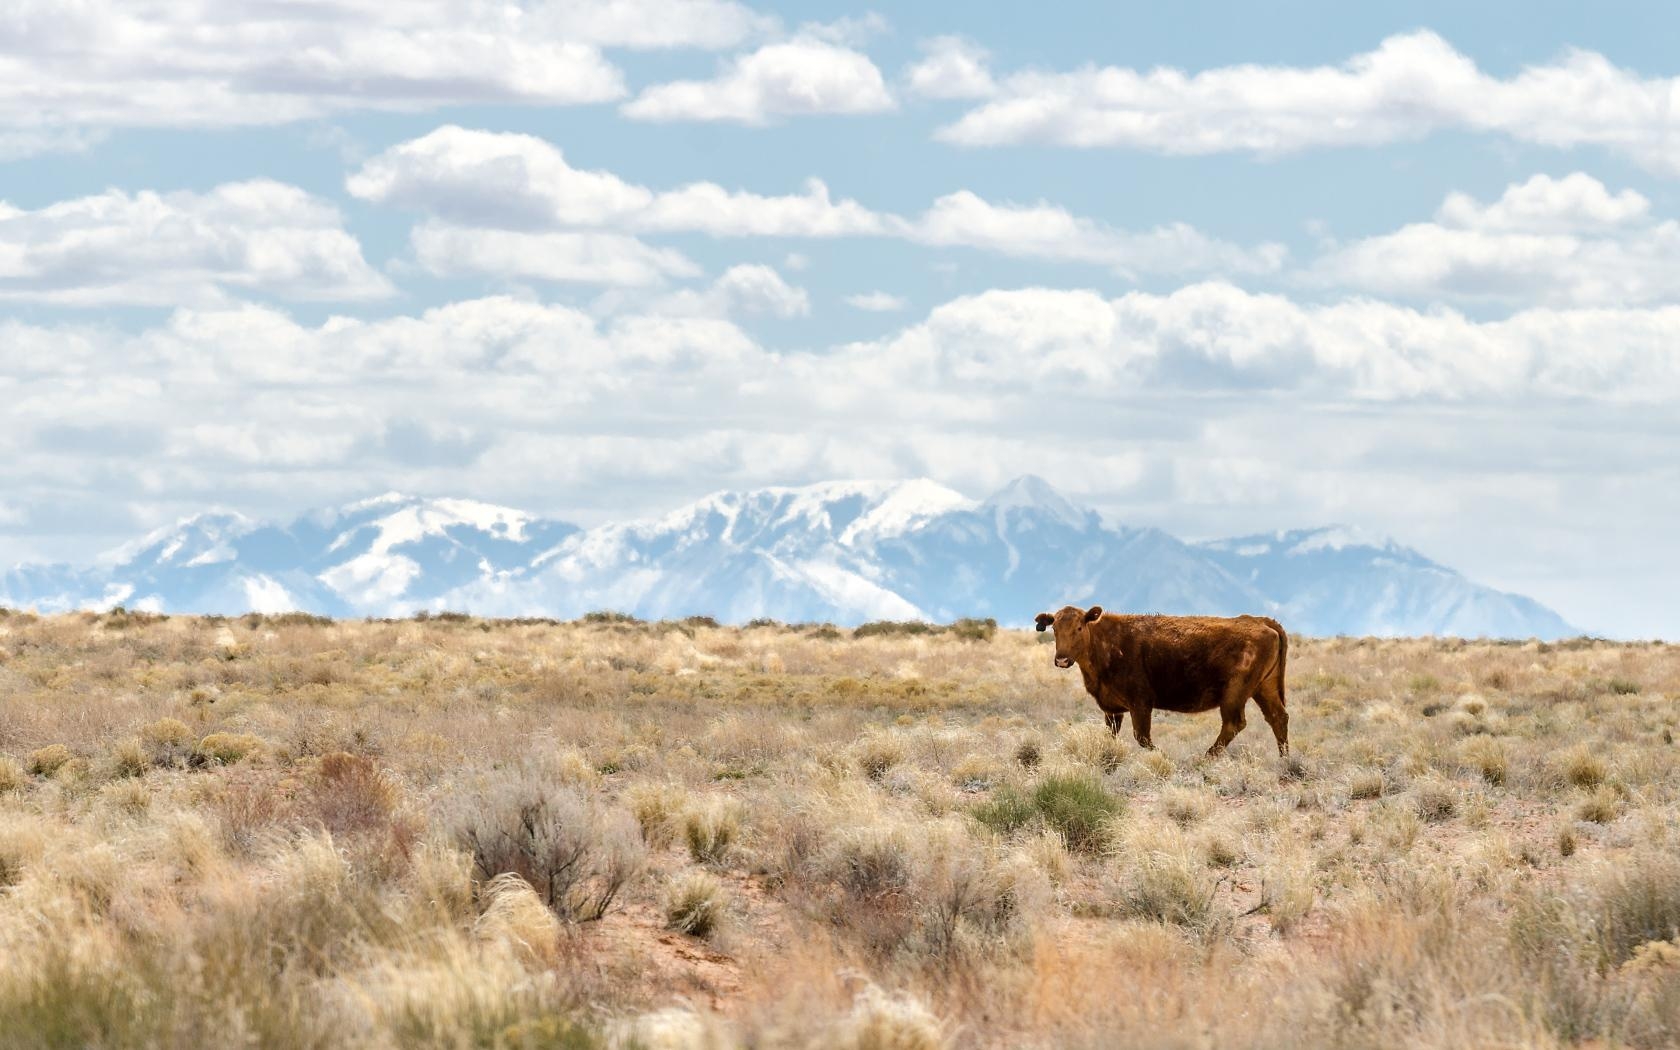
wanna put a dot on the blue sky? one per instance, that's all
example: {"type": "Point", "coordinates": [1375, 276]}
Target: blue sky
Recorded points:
{"type": "Point", "coordinates": [1218, 269]}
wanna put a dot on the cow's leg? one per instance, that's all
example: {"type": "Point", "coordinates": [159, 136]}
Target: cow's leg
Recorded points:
{"type": "Point", "coordinates": [1140, 726]}
{"type": "Point", "coordinates": [1113, 719]}
{"type": "Point", "coordinates": [1270, 698]}
{"type": "Point", "coordinates": [1231, 720]}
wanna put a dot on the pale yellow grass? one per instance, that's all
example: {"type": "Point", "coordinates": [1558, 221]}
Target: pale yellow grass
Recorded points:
{"type": "Point", "coordinates": [282, 833]}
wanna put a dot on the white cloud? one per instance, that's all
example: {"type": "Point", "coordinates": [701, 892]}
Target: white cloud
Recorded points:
{"type": "Point", "coordinates": [1544, 204]}
{"type": "Point", "coordinates": [494, 179]}
{"type": "Point", "coordinates": [519, 182]}
{"type": "Point", "coordinates": [260, 237]}
{"type": "Point", "coordinates": [877, 302]}
{"type": "Point", "coordinates": [705, 207]}
{"type": "Point", "coordinates": [1566, 241]}
{"type": "Point", "coordinates": [1045, 231]}
{"type": "Point", "coordinates": [951, 67]}
{"type": "Point", "coordinates": [578, 257]}
{"type": "Point", "coordinates": [799, 77]}
{"type": "Point", "coordinates": [1413, 84]}
{"type": "Point", "coordinates": [850, 31]}
{"type": "Point", "coordinates": [711, 24]}
{"type": "Point", "coordinates": [741, 289]}
{"type": "Point", "coordinates": [1216, 337]}
{"type": "Point", "coordinates": [198, 63]}
{"type": "Point", "coordinates": [1207, 410]}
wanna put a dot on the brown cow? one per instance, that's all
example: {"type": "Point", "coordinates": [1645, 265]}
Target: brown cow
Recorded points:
{"type": "Point", "coordinates": [1176, 663]}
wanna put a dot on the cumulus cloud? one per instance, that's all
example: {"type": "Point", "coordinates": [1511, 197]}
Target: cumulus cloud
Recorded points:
{"type": "Point", "coordinates": [256, 237]}
{"type": "Point", "coordinates": [1046, 231]}
{"type": "Point", "coordinates": [1567, 241]}
{"type": "Point", "coordinates": [520, 182]}
{"type": "Point", "coordinates": [565, 256]}
{"type": "Point", "coordinates": [1213, 336]}
{"type": "Point", "coordinates": [799, 77]}
{"type": "Point", "coordinates": [951, 67]}
{"type": "Point", "coordinates": [743, 289]}
{"type": "Point", "coordinates": [877, 302]}
{"type": "Point", "coordinates": [1411, 85]}
{"type": "Point", "coordinates": [1203, 407]}
{"type": "Point", "coordinates": [706, 207]}
{"type": "Point", "coordinates": [68, 70]}
{"type": "Point", "coordinates": [162, 63]}
{"type": "Point", "coordinates": [650, 24]}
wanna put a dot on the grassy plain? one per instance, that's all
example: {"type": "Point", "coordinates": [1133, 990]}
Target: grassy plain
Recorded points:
{"type": "Point", "coordinates": [278, 832]}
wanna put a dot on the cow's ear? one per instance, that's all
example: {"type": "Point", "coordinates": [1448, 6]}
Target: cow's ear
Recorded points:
{"type": "Point", "coordinates": [1044, 620]}
{"type": "Point", "coordinates": [1093, 614]}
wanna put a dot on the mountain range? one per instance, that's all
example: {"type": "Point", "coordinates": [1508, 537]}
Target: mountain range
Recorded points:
{"type": "Point", "coordinates": [841, 552]}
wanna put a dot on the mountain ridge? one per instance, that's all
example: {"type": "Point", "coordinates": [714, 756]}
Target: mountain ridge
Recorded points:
{"type": "Point", "coordinates": [838, 551]}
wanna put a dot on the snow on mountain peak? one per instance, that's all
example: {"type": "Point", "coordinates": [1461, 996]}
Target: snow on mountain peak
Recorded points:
{"type": "Point", "coordinates": [903, 507]}
{"type": "Point", "coordinates": [415, 518]}
{"type": "Point", "coordinates": [1334, 538]}
{"type": "Point", "coordinates": [1031, 492]}
{"type": "Point", "coordinates": [201, 538]}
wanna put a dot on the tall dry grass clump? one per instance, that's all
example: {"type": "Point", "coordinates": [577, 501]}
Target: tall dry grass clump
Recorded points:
{"type": "Point", "coordinates": [575, 853]}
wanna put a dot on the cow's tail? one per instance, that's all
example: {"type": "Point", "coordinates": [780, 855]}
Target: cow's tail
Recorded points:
{"type": "Point", "coordinates": [1282, 656]}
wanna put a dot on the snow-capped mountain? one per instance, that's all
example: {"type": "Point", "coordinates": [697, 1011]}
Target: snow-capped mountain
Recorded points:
{"type": "Point", "coordinates": [389, 555]}
{"type": "Point", "coordinates": [844, 552]}
{"type": "Point", "coordinates": [1338, 580]}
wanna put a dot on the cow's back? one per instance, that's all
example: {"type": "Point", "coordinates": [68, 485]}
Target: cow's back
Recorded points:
{"type": "Point", "coordinates": [1190, 662]}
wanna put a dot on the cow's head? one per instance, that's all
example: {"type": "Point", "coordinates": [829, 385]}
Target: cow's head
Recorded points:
{"type": "Point", "coordinates": [1072, 626]}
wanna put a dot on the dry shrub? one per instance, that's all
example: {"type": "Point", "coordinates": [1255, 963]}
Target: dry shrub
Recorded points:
{"type": "Point", "coordinates": [879, 1021]}
{"type": "Point", "coordinates": [1581, 767]}
{"type": "Point", "coordinates": [23, 842]}
{"type": "Point", "coordinates": [350, 795]}
{"type": "Point", "coordinates": [977, 772]}
{"type": "Point", "coordinates": [128, 758]}
{"type": "Point", "coordinates": [1488, 757]}
{"type": "Point", "coordinates": [1632, 902]}
{"type": "Point", "coordinates": [1435, 800]}
{"type": "Point", "coordinates": [971, 902]}
{"type": "Point", "coordinates": [13, 777]}
{"type": "Point", "coordinates": [226, 748]}
{"type": "Point", "coordinates": [695, 904]}
{"type": "Point", "coordinates": [711, 828]}
{"type": "Point", "coordinates": [575, 853]}
{"type": "Point", "coordinates": [441, 877]}
{"type": "Point", "coordinates": [168, 741]}
{"type": "Point", "coordinates": [1287, 890]}
{"type": "Point", "coordinates": [658, 809]}
{"type": "Point", "coordinates": [127, 796]}
{"type": "Point", "coordinates": [1184, 806]}
{"type": "Point", "coordinates": [1091, 744]}
{"type": "Point", "coordinates": [1155, 765]}
{"type": "Point", "coordinates": [1366, 784]}
{"type": "Point", "coordinates": [1654, 957]}
{"type": "Point", "coordinates": [515, 916]}
{"type": "Point", "coordinates": [1029, 753]}
{"type": "Point", "coordinates": [1600, 807]}
{"type": "Point", "coordinates": [877, 753]}
{"type": "Point", "coordinates": [872, 863]}
{"type": "Point", "coordinates": [44, 762]}
{"type": "Point", "coordinates": [1169, 885]}
{"type": "Point", "coordinates": [249, 804]}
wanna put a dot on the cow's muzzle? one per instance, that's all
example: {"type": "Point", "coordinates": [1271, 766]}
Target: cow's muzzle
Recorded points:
{"type": "Point", "coordinates": [1064, 662]}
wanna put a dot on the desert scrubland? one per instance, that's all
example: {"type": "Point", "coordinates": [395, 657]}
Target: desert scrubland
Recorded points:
{"type": "Point", "coordinates": [449, 832]}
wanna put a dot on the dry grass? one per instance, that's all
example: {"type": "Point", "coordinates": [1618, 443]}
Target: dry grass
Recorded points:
{"type": "Point", "coordinates": [294, 833]}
